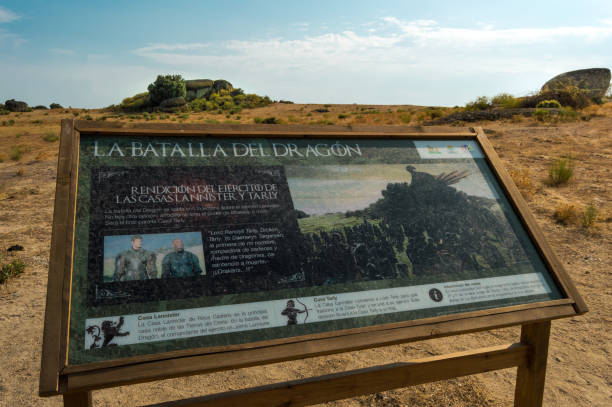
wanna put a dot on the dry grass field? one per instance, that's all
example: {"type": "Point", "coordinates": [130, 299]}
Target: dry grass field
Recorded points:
{"type": "Point", "coordinates": [579, 366]}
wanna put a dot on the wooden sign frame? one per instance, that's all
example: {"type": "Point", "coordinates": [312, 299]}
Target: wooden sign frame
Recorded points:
{"type": "Point", "coordinates": [75, 383]}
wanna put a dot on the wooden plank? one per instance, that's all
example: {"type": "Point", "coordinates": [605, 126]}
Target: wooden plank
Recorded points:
{"type": "Point", "coordinates": [530, 377]}
{"type": "Point", "coordinates": [51, 353]}
{"type": "Point", "coordinates": [531, 226]}
{"type": "Point", "coordinates": [290, 130]}
{"type": "Point", "coordinates": [359, 382]}
{"type": "Point", "coordinates": [176, 367]}
{"type": "Point", "coordinates": [82, 399]}
{"type": "Point", "coordinates": [69, 248]}
{"type": "Point", "coordinates": [316, 336]}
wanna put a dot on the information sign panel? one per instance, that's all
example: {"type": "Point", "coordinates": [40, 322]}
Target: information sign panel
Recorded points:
{"type": "Point", "coordinates": [243, 245]}
{"type": "Point", "coordinates": [184, 242]}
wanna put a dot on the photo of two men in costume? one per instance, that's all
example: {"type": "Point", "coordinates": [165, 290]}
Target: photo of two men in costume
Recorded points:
{"type": "Point", "coordinates": [153, 256]}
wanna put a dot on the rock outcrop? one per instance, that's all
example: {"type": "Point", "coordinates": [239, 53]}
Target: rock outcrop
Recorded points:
{"type": "Point", "coordinates": [594, 82]}
{"type": "Point", "coordinates": [173, 103]}
{"type": "Point", "coordinates": [199, 88]}
{"type": "Point", "coordinates": [16, 105]}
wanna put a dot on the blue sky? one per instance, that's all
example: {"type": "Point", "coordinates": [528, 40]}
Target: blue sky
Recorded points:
{"type": "Point", "coordinates": [92, 54]}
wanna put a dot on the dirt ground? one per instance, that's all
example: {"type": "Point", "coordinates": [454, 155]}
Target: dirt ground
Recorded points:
{"type": "Point", "coordinates": [579, 365]}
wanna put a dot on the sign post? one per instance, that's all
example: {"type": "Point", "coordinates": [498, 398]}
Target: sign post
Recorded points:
{"type": "Point", "coordinates": [187, 249]}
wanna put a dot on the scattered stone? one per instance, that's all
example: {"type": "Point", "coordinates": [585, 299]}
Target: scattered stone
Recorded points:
{"type": "Point", "coordinates": [16, 105]}
{"type": "Point", "coordinates": [594, 81]}
{"type": "Point", "coordinates": [15, 248]}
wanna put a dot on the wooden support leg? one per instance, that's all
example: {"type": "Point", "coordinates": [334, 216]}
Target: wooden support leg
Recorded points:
{"type": "Point", "coordinates": [78, 399]}
{"type": "Point", "coordinates": [529, 390]}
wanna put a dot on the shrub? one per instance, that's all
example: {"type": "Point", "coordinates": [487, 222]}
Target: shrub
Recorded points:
{"type": "Point", "coordinates": [50, 137]}
{"type": "Point", "coordinates": [549, 103]}
{"type": "Point", "coordinates": [523, 182]}
{"type": "Point", "coordinates": [481, 103]}
{"type": "Point", "coordinates": [36, 121]}
{"type": "Point", "coordinates": [11, 269]}
{"type": "Point", "coordinates": [55, 106]}
{"type": "Point", "coordinates": [4, 112]}
{"type": "Point", "coordinates": [166, 87]}
{"type": "Point", "coordinates": [342, 116]}
{"type": "Point", "coordinates": [17, 152]}
{"type": "Point", "coordinates": [40, 107]}
{"type": "Point", "coordinates": [541, 114]}
{"type": "Point", "coordinates": [11, 122]}
{"type": "Point", "coordinates": [560, 171]}
{"type": "Point", "coordinates": [406, 117]}
{"type": "Point", "coordinates": [565, 213]}
{"type": "Point", "coordinates": [570, 96]}
{"type": "Point", "coordinates": [136, 102]}
{"type": "Point", "coordinates": [267, 120]}
{"type": "Point", "coordinates": [589, 216]}
{"type": "Point", "coordinates": [567, 114]}
{"type": "Point", "coordinates": [506, 100]}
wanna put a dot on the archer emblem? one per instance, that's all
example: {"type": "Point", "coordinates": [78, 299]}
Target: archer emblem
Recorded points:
{"type": "Point", "coordinates": [109, 330]}
{"type": "Point", "coordinates": [291, 312]}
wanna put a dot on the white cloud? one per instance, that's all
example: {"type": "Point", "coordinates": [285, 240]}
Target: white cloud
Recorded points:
{"type": "Point", "coordinates": [6, 15]}
{"type": "Point", "coordinates": [10, 39]}
{"type": "Point", "coordinates": [172, 47]}
{"type": "Point", "coordinates": [398, 59]}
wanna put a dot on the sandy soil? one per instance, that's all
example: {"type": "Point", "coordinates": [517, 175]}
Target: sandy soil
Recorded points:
{"type": "Point", "coordinates": [579, 365]}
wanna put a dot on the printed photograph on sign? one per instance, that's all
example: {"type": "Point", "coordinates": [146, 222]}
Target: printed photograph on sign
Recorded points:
{"type": "Point", "coordinates": [149, 256]}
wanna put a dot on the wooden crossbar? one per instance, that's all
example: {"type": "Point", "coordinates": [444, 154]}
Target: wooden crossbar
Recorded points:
{"type": "Point", "coordinates": [353, 383]}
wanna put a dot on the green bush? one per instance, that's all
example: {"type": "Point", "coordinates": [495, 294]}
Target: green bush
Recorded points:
{"type": "Point", "coordinates": [406, 117]}
{"type": "Point", "coordinates": [549, 103]}
{"type": "Point", "coordinates": [17, 152]}
{"type": "Point", "coordinates": [506, 100]}
{"type": "Point", "coordinates": [481, 103]}
{"type": "Point", "coordinates": [541, 114]}
{"type": "Point", "coordinates": [4, 112]}
{"type": "Point", "coordinates": [567, 114]}
{"type": "Point", "coordinates": [166, 87]}
{"type": "Point", "coordinates": [55, 106]}
{"type": "Point", "coordinates": [560, 171]}
{"type": "Point", "coordinates": [342, 116]}
{"type": "Point", "coordinates": [570, 96]}
{"type": "Point", "coordinates": [136, 102]}
{"type": "Point", "coordinates": [267, 120]}
{"type": "Point", "coordinates": [50, 137]}
{"type": "Point", "coordinates": [10, 269]}
{"type": "Point", "coordinates": [589, 216]}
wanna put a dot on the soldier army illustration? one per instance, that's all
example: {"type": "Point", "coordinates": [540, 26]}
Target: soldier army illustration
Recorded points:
{"type": "Point", "coordinates": [439, 229]}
